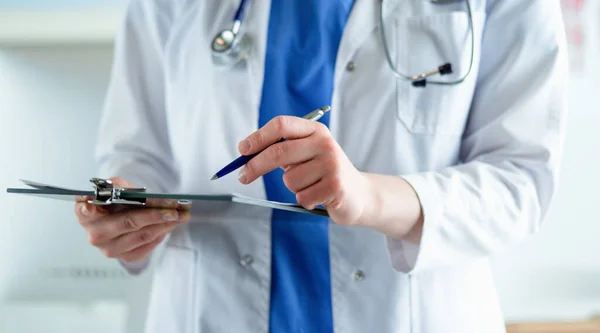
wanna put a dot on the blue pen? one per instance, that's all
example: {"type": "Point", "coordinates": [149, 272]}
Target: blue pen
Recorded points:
{"type": "Point", "coordinates": [242, 160]}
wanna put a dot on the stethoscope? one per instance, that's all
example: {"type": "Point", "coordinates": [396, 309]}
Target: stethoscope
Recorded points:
{"type": "Point", "coordinates": [231, 47]}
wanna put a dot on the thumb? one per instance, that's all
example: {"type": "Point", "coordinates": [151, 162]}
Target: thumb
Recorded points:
{"type": "Point", "coordinates": [121, 182]}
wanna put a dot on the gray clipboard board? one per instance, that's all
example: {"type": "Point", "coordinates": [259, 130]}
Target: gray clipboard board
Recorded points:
{"type": "Point", "coordinates": [104, 192]}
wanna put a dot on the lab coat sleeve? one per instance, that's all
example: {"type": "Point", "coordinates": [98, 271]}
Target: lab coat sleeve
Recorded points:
{"type": "Point", "coordinates": [511, 149]}
{"type": "Point", "coordinates": [133, 141]}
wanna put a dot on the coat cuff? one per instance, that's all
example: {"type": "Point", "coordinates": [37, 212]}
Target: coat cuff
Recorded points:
{"type": "Point", "coordinates": [136, 268]}
{"type": "Point", "coordinates": [407, 257]}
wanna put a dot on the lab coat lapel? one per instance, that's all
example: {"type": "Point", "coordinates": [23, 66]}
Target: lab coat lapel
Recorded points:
{"type": "Point", "coordinates": [362, 24]}
{"type": "Point", "coordinates": [362, 20]}
{"type": "Point", "coordinates": [258, 26]}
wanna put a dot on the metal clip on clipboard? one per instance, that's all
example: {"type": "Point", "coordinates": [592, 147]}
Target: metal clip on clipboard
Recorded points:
{"type": "Point", "coordinates": [107, 193]}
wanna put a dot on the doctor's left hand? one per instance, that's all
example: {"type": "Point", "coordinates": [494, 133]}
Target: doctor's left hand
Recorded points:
{"type": "Point", "coordinates": [315, 167]}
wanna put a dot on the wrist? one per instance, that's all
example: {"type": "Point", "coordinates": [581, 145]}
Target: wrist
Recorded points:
{"type": "Point", "coordinates": [372, 202]}
{"type": "Point", "coordinates": [391, 206]}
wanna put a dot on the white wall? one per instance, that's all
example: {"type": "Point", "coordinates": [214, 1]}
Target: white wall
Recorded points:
{"type": "Point", "coordinates": [556, 274]}
{"type": "Point", "coordinates": [49, 106]}
{"type": "Point", "coordinates": [50, 100]}
{"type": "Point", "coordinates": [63, 317]}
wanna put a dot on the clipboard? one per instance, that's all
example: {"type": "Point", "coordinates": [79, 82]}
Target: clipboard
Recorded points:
{"type": "Point", "coordinates": [106, 193]}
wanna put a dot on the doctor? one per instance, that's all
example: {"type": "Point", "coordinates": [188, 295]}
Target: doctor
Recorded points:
{"type": "Point", "coordinates": [423, 181]}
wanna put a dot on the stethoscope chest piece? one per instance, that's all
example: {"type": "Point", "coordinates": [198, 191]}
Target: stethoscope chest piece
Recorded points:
{"type": "Point", "coordinates": [229, 48]}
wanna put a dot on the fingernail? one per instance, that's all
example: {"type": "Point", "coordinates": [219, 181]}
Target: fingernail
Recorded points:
{"type": "Point", "coordinates": [242, 175]}
{"type": "Point", "coordinates": [244, 146]}
{"type": "Point", "coordinates": [170, 215]}
{"type": "Point", "coordinates": [85, 211]}
{"type": "Point", "coordinates": [183, 217]}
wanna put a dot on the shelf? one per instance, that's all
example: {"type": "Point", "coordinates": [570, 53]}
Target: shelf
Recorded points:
{"type": "Point", "coordinates": [95, 25]}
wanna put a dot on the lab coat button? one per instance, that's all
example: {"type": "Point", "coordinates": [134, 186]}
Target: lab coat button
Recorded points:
{"type": "Point", "coordinates": [247, 260]}
{"type": "Point", "coordinates": [358, 275]}
{"type": "Point", "coordinates": [351, 66]}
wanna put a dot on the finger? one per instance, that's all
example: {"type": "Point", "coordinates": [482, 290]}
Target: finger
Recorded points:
{"type": "Point", "coordinates": [325, 192]}
{"type": "Point", "coordinates": [281, 127]}
{"type": "Point", "coordinates": [142, 252]}
{"type": "Point", "coordinates": [86, 212]}
{"type": "Point", "coordinates": [169, 203]}
{"type": "Point", "coordinates": [278, 155]}
{"type": "Point", "coordinates": [303, 175]}
{"type": "Point", "coordinates": [288, 167]}
{"type": "Point", "coordinates": [107, 228]}
{"type": "Point", "coordinates": [118, 181]}
{"type": "Point", "coordinates": [133, 240]}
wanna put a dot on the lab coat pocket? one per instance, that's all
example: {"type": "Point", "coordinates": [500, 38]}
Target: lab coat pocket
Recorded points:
{"type": "Point", "coordinates": [424, 44]}
{"type": "Point", "coordinates": [173, 299]}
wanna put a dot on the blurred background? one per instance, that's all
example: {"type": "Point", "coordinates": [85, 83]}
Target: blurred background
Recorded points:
{"type": "Point", "coordinates": [55, 59]}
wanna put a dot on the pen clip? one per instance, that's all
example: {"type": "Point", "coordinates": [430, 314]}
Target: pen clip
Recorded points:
{"type": "Point", "coordinates": [318, 113]}
{"type": "Point", "coordinates": [107, 193]}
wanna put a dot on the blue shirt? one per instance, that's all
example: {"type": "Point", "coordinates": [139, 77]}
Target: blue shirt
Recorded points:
{"type": "Point", "coordinates": [302, 45]}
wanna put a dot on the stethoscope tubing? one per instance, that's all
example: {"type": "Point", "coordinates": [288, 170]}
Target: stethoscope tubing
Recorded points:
{"type": "Point", "coordinates": [419, 80]}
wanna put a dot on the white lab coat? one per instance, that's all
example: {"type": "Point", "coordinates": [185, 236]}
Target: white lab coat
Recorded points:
{"type": "Point", "coordinates": [483, 157]}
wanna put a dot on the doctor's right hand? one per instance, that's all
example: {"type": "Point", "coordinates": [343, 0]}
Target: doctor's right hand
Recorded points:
{"type": "Point", "coordinates": [130, 234]}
